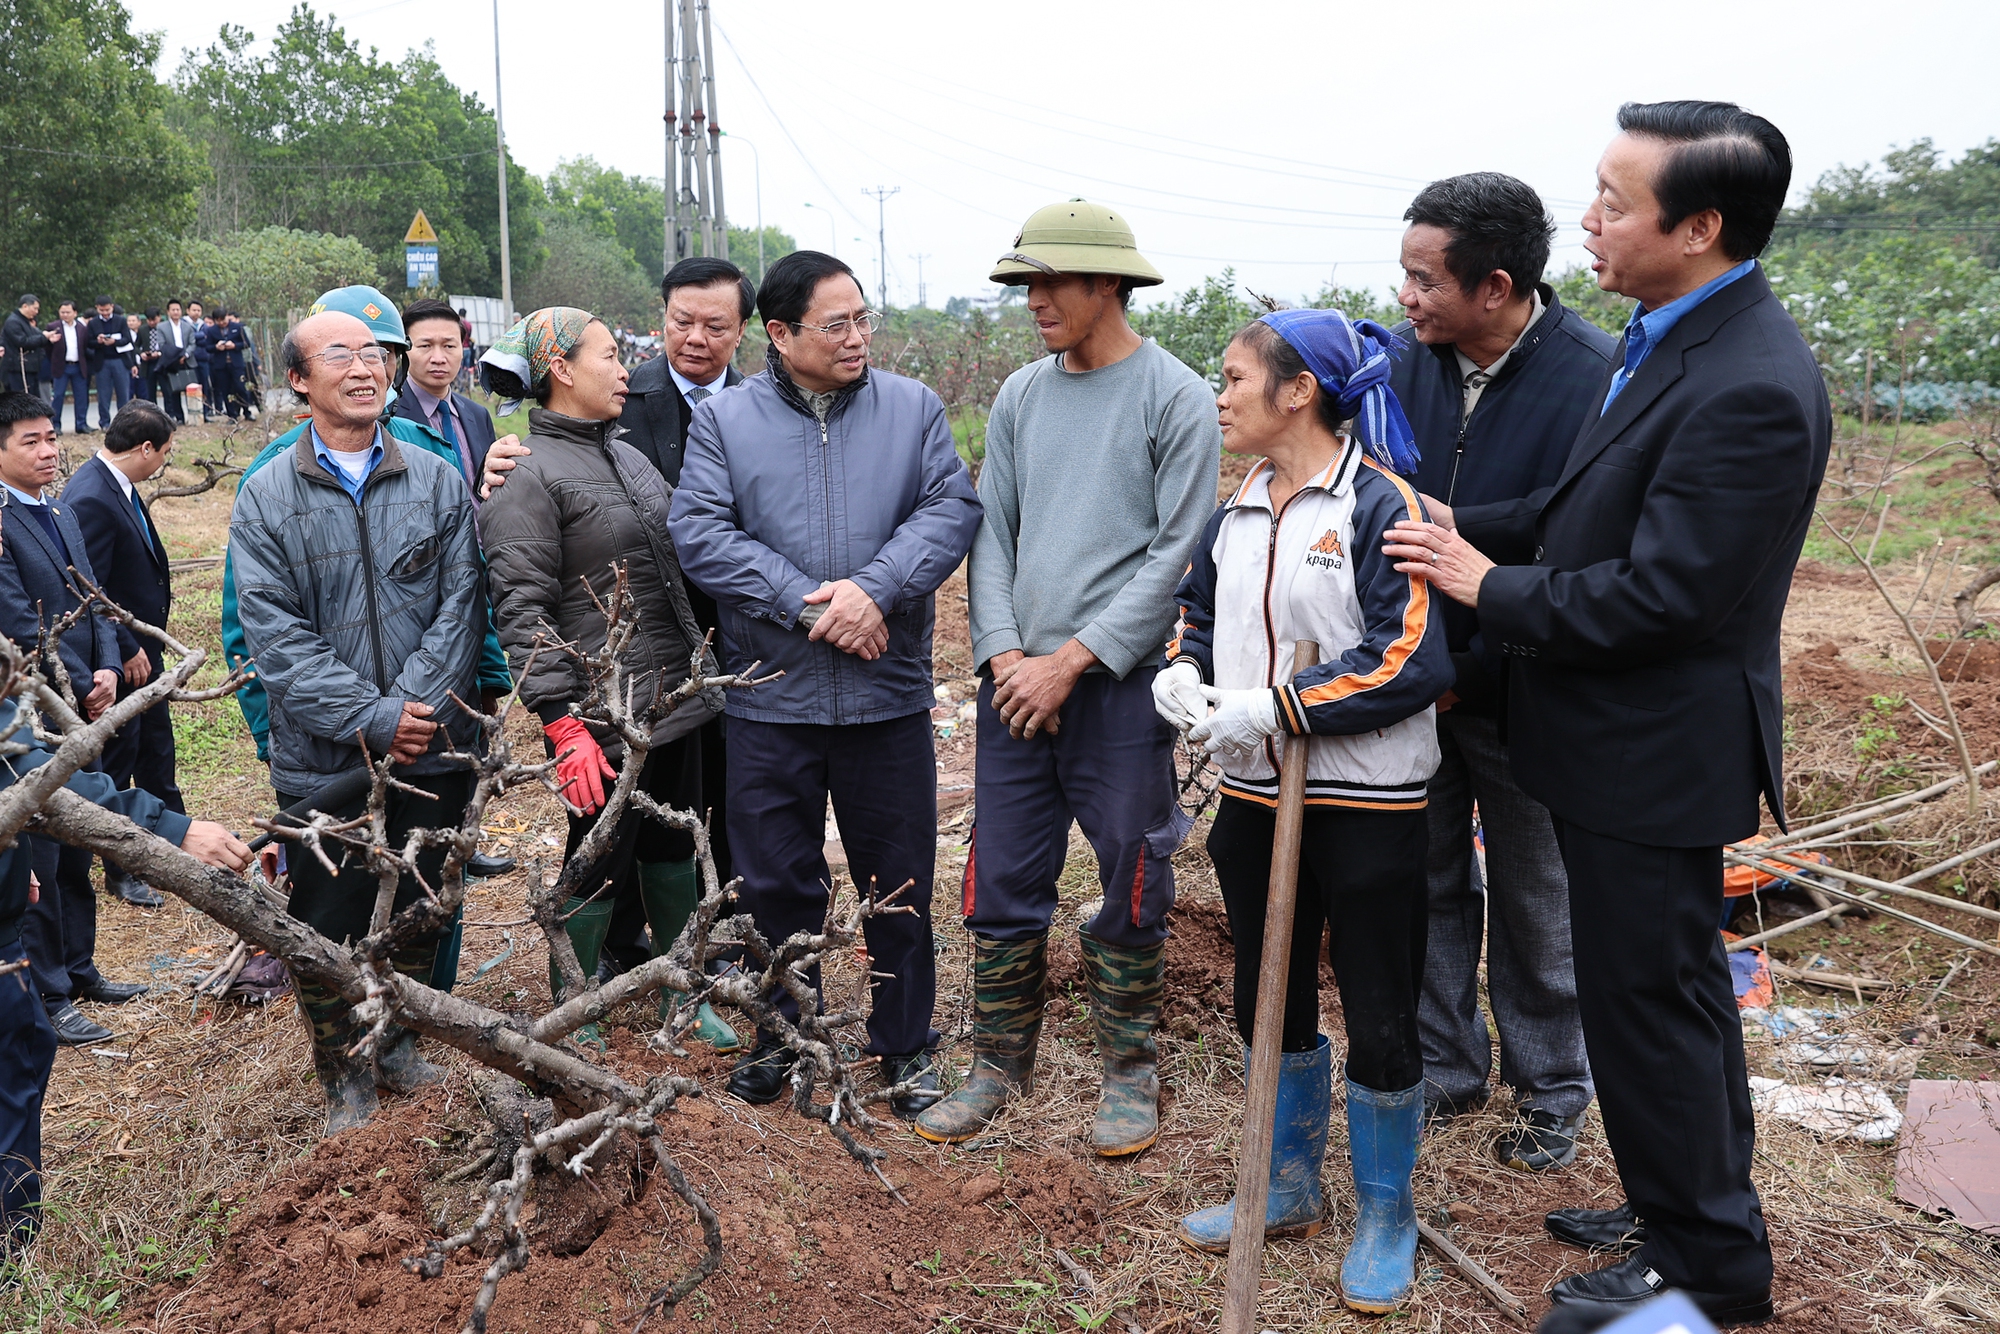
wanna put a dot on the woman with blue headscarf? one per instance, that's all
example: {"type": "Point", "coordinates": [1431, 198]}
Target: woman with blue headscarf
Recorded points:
{"type": "Point", "coordinates": [1295, 555]}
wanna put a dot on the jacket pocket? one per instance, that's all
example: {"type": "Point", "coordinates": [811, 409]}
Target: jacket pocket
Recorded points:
{"type": "Point", "coordinates": [1649, 688]}
{"type": "Point", "coordinates": [417, 560]}
{"type": "Point", "coordinates": [1622, 456]}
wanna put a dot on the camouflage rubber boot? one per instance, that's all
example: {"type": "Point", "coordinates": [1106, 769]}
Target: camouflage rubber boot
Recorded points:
{"type": "Point", "coordinates": [1009, 983]}
{"type": "Point", "coordinates": [399, 1067]}
{"type": "Point", "coordinates": [670, 891]}
{"type": "Point", "coordinates": [587, 924]}
{"type": "Point", "coordinates": [347, 1081]}
{"type": "Point", "coordinates": [1125, 1008]}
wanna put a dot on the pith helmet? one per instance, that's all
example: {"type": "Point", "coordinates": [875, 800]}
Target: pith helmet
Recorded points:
{"type": "Point", "coordinates": [371, 308]}
{"type": "Point", "coordinates": [1075, 237]}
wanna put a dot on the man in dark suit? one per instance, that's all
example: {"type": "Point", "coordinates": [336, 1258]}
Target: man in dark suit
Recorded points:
{"type": "Point", "coordinates": [118, 531]}
{"type": "Point", "coordinates": [110, 339]}
{"type": "Point", "coordinates": [25, 347]}
{"type": "Point", "coordinates": [201, 358]}
{"type": "Point", "coordinates": [708, 306]}
{"type": "Point", "coordinates": [39, 544]}
{"type": "Point", "coordinates": [1640, 598]}
{"type": "Point", "coordinates": [437, 350]}
{"type": "Point", "coordinates": [226, 339]}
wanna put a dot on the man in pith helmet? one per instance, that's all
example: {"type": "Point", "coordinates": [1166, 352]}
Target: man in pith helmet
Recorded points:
{"type": "Point", "coordinates": [1100, 470]}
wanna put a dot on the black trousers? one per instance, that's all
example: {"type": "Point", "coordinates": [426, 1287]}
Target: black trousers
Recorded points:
{"type": "Point", "coordinates": [60, 931]}
{"type": "Point", "coordinates": [338, 906]}
{"type": "Point", "coordinates": [160, 389]}
{"type": "Point", "coordinates": [141, 753]}
{"type": "Point", "coordinates": [672, 777]}
{"type": "Point", "coordinates": [1666, 1050]}
{"type": "Point", "coordinates": [882, 778]}
{"type": "Point", "coordinates": [1361, 878]}
{"type": "Point", "coordinates": [27, 1054]}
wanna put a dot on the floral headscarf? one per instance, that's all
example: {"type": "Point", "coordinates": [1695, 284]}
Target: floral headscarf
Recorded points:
{"type": "Point", "coordinates": [517, 365]}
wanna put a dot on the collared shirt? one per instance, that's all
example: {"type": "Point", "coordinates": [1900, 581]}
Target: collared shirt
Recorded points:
{"type": "Point", "coordinates": [434, 410]}
{"type": "Point", "coordinates": [70, 348]}
{"type": "Point", "coordinates": [175, 325]}
{"type": "Point", "coordinates": [687, 386]}
{"type": "Point", "coordinates": [131, 493]}
{"type": "Point", "coordinates": [1473, 379]}
{"type": "Point", "coordinates": [351, 468]}
{"type": "Point", "coordinates": [1647, 328]}
{"type": "Point", "coordinates": [38, 507]}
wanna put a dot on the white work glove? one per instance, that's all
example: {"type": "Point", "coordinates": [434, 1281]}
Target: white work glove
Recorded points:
{"type": "Point", "coordinates": [1177, 696]}
{"type": "Point", "coordinates": [1241, 721]}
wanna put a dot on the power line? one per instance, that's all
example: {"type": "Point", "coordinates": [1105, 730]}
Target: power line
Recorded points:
{"type": "Point", "coordinates": [783, 129]}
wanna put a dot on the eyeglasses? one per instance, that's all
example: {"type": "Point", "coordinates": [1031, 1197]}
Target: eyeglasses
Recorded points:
{"type": "Point", "coordinates": [867, 322]}
{"type": "Point", "coordinates": [334, 358]}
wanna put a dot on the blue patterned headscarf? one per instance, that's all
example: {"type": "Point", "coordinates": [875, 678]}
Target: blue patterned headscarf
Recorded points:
{"type": "Point", "coordinates": [1350, 359]}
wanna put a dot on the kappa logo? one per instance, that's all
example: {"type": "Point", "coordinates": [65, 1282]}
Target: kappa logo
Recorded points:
{"type": "Point", "coordinates": [1326, 553]}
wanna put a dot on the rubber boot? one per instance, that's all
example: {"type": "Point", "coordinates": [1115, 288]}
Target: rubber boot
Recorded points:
{"type": "Point", "coordinates": [670, 891]}
{"type": "Point", "coordinates": [1382, 1134]}
{"type": "Point", "coordinates": [587, 924]}
{"type": "Point", "coordinates": [444, 970]}
{"type": "Point", "coordinates": [347, 1081]}
{"type": "Point", "coordinates": [399, 1067]}
{"type": "Point", "coordinates": [1009, 984]}
{"type": "Point", "coordinates": [1125, 1008]}
{"type": "Point", "coordinates": [1297, 1206]}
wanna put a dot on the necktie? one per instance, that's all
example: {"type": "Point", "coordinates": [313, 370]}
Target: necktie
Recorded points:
{"type": "Point", "coordinates": [139, 508]}
{"type": "Point", "coordinates": [449, 430]}
{"type": "Point", "coordinates": [698, 394]}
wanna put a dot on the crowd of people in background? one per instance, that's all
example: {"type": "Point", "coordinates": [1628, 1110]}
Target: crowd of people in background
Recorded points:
{"type": "Point", "coordinates": [1506, 612]}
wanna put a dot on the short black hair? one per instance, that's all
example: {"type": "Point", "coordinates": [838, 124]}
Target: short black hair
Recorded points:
{"type": "Point", "coordinates": [61, 304]}
{"type": "Point", "coordinates": [430, 308]}
{"type": "Point", "coordinates": [138, 423]}
{"type": "Point", "coordinates": [28, 299]}
{"type": "Point", "coordinates": [706, 271]}
{"type": "Point", "coordinates": [106, 301]}
{"type": "Point", "coordinates": [787, 292]}
{"type": "Point", "coordinates": [152, 312]}
{"type": "Point", "coordinates": [1729, 160]}
{"type": "Point", "coordinates": [16, 408]}
{"type": "Point", "coordinates": [1495, 222]}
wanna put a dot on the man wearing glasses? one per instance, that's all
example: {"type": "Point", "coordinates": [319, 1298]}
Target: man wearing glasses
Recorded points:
{"type": "Point", "coordinates": [820, 504]}
{"type": "Point", "coordinates": [357, 575]}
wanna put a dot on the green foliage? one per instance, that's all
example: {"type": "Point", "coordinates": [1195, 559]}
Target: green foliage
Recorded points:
{"type": "Point", "coordinates": [272, 272]}
{"type": "Point", "coordinates": [1196, 326]}
{"type": "Point", "coordinates": [607, 202]}
{"type": "Point", "coordinates": [592, 270]}
{"type": "Point", "coordinates": [743, 250]}
{"type": "Point", "coordinates": [965, 358]}
{"type": "Point", "coordinates": [1577, 288]}
{"type": "Point", "coordinates": [312, 132]}
{"type": "Point", "coordinates": [1915, 186]}
{"type": "Point", "coordinates": [95, 186]}
{"type": "Point", "coordinates": [1358, 303]}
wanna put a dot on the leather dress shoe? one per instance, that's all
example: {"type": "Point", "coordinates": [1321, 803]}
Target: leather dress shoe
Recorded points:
{"type": "Point", "coordinates": [1539, 1141]}
{"type": "Point", "coordinates": [72, 1029]}
{"type": "Point", "coordinates": [482, 867]}
{"type": "Point", "coordinates": [919, 1070]}
{"type": "Point", "coordinates": [133, 890]}
{"type": "Point", "coordinates": [1632, 1281]}
{"type": "Point", "coordinates": [763, 1074]}
{"type": "Point", "coordinates": [111, 993]}
{"type": "Point", "coordinates": [1597, 1229]}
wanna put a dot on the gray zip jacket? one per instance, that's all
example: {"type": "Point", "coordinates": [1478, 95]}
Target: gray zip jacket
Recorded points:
{"type": "Point", "coordinates": [351, 610]}
{"type": "Point", "coordinates": [774, 500]}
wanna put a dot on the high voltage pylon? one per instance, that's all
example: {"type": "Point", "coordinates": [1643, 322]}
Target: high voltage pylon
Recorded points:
{"type": "Point", "coordinates": [696, 221]}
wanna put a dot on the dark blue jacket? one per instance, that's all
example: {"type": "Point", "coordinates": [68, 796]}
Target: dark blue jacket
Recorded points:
{"type": "Point", "coordinates": [131, 556]}
{"type": "Point", "coordinates": [232, 332]}
{"type": "Point", "coordinates": [95, 354]}
{"type": "Point", "coordinates": [473, 417]}
{"type": "Point", "coordinates": [140, 806]}
{"type": "Point", "coordinates": [1515, 442]}
{"type": "Point", "coordinates": [772, 502]}
{"type": "Point", "coordinates": [35, 590]}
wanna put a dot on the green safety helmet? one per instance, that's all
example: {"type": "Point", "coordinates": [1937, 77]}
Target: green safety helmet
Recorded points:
{"type": "Point", "coordinates": [1075, 237]}
{"type": "Point", "coordinates": [369, 306]}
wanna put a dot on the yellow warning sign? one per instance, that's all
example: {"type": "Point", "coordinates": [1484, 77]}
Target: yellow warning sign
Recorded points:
{"type": "Point", "coordinates": [421, 232]}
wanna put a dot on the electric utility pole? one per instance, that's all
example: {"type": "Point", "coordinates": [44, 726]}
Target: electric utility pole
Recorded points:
{"type": "Point", "coordinates": [696, 222]}
{"type": "Point", "coordinates": [881, 194]}
{"type": "Point", "coordinates": [500, 136]}
{"type": "Point", "coordinates": [923, 296]}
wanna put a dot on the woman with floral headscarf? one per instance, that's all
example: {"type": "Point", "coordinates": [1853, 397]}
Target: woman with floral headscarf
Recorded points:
{"type": "Point", "coordinates": [1296, 555]}
{"type": "Point", "coordinates": [579, 507]}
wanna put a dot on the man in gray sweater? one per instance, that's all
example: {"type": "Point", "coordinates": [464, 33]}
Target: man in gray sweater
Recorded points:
{"type": "Point", "coordinates": [1100, 471]}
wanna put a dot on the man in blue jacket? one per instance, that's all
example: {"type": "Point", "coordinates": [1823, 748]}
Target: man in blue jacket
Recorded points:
{"type": "Point", "coordinates": [27, 1042]}
{"type": "Point", "coordinates": [821, 504]}
{"type": "Point", "coordinates": [1504, 379]}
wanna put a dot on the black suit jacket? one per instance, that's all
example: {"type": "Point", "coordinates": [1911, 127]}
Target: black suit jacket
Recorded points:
{"type": "Point", "coordinates": [35, 589]}
{"type": "Point", "coordinates": [1640, 597]}
{"type": "Point", "coordinates": [133, 559]}
{"type": "Point", "coordinates": [472, 416]}
{"type": "Point", "coordinates": [656, 417]}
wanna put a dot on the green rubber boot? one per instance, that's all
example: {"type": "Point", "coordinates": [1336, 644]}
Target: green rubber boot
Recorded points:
{"type": "Point", "coordinates": [1009, 983]}
{"type": "Point", "coordinates": [587, 924]}
{"type": "Point", "coordinates": [1125, 989]}
{"type": "Point", "coordinates": [347, 1081]}
{"type": "Point", "coordinates": [670, 891]}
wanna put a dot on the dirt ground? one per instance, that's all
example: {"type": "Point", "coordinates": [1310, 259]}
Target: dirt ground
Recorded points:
{"type": "Point", "coordinates": [191, 1192]}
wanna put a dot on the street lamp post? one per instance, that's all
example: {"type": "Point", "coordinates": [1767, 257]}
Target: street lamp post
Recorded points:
{"type": "Point", "coordinates": [500, 135]}
{"type": "Point", "coordinates": [757, 168]}
{"type": "Point", "coordinates": [832, 227]}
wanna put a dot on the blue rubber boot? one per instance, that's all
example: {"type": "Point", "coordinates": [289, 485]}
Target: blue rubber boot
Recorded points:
{"type": "Point", "coordinates": [1297, 1205]}
{"type": "Point", "coordinates": [1382, 1133]}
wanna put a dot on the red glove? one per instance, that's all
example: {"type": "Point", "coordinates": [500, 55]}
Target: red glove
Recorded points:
{"type": "Point", "coordinates": [580, 763]}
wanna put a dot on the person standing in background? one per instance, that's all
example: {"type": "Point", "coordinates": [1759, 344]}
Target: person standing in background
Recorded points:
{"type": "Point", "coordinates": [125, 547]}
{"type": "Point", "coordinates": [203, 357]}
{"type": "Point", "coordinates": [69, 366]}
{"type": "Point", "coordinates": [109, 340]}
{"type": "Point", "coordinates": [175, 344]}
{"type": "Point", "coordinates": [434, 357]}
{"type": "Point", "coordinates": [26, 346]}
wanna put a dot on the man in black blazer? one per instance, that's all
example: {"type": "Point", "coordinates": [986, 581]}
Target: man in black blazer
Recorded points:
{"type": "Point", "coordinates": [39, 544]}
{"type": "Point", "coordinates": [118, 531]}
{"type": "Point", "coordinates": [1639, 599]}
{"type": "Point", "coordinates": [436, 351]}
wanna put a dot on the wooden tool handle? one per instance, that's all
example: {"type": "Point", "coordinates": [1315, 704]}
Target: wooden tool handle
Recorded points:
{"type": "Point", "coordinates": [1260, 1104]}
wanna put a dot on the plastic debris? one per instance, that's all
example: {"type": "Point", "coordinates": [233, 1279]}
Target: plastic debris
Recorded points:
{"type": "Point", "coordinates": [1836, 1109]}
{"type": "Point", "coordinates": [1949, 1163]}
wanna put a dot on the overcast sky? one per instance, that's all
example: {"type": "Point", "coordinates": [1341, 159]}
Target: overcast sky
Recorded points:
{"type": "Point", "coordinates": [1283, 137]}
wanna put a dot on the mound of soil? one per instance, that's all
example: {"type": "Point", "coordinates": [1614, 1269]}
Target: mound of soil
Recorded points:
{"type": "Point", "coordinates": [1820, 676]}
